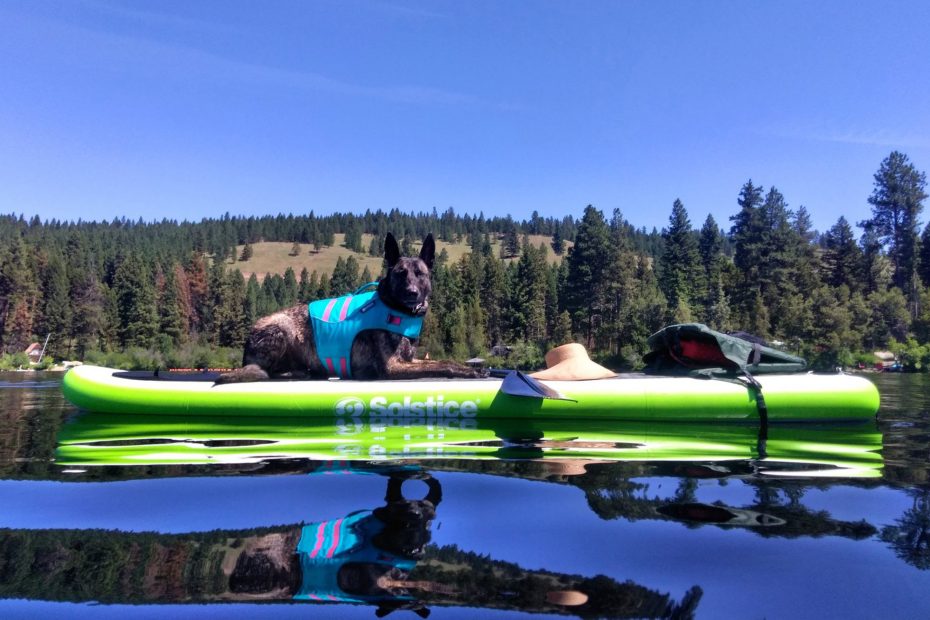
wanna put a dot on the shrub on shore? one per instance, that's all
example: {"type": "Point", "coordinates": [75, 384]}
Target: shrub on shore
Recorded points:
{"type": "Point", "coordinates": [189, 356]}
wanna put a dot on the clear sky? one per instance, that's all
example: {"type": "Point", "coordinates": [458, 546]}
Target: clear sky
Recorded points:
{"type": "Point", "coordinates": [186, 109]}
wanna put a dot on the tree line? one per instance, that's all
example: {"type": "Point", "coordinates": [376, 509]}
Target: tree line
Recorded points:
{"type": "Point", "coordinates": [166, 286]}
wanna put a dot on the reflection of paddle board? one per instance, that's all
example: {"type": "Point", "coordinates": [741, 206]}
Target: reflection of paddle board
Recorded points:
{"type": "Point", "coordinates": [625, 397]}
{"type": "Point", "coordinates": [106, 439]}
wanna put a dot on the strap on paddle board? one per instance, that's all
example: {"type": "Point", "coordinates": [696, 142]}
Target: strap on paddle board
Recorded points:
{"type": "Point", "coordinates": [755, 386]}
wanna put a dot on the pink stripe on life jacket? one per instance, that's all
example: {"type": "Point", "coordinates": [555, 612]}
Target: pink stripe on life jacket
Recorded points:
{"type": "Point", "coordinates": [345, 308]}
{"type": "Point", "coordinates": [331, 367]}
{"type": "Point", "coordinates": [343, 368]}
{"type": "Point", "coordinates": [329, 309]}
{"type": "Point", "coordinates": [337, 528]}
{"type": "Point", "coordinates": [319, 540]}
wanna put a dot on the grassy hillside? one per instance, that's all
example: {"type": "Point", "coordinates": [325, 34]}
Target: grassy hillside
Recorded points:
{"type": "Point", "coordinates": [274, 257]}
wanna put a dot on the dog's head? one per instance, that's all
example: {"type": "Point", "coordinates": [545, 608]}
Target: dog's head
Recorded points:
{"type": "Point", "coordinates": [407, 283]}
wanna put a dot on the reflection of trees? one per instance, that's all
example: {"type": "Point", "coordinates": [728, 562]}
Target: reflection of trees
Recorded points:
{"type": "Point", "coordinates": [613, 493]}
{"type": "Point", "coordinates": [29, 422]}
{"type": "Point", "coordinates": [505, 585]}
{"type": "Point", "coordinates": [910, 538]}
{"type": "Point", "coordinates": [260, 564]}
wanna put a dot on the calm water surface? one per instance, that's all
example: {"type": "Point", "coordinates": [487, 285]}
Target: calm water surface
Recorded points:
{"type": "Point", "coordinates": [104, 517]}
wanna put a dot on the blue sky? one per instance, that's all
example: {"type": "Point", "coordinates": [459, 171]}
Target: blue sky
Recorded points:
{"type": "Point", "coordinates": [190, 109]}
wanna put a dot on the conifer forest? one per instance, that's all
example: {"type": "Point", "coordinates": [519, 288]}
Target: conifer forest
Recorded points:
{"type": "Point", "coordinates": [172, 294]}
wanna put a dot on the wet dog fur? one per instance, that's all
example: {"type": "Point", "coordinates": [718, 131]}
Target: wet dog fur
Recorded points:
{"type": "Point", "coordinates": [282, 344]}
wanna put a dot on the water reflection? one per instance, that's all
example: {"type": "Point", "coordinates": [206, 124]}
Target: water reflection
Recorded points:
{"type": "Point", "coordinates": [910, 535]}
{"type": "Point", "coordinates": [615, 465]}
{"type": "Point", "coordinates": [775, 508]}
{"type": "Point", "coordinates": [826, 505]}
{"type": "Point", "coordinates": [810, 450]}
{"type": "Point", "coordinates": [379, 556]}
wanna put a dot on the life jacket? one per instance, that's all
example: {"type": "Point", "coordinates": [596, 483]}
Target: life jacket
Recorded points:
{"type": "Point", "coordinates": [325, 546]}
{"type": "Point", "coordinates": [337, 322]}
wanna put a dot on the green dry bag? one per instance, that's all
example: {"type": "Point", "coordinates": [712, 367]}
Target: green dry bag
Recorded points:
{"type": "Point", "coordinates": [694, 348]}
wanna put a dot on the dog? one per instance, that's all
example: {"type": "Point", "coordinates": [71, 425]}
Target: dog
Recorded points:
{"type": "Point", "coordinates": [285, 344]}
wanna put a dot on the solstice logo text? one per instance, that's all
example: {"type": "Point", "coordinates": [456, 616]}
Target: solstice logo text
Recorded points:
{"type": "Point", "coordinates": [408, 406]}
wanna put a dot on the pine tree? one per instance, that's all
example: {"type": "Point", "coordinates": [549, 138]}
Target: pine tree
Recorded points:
{"type": "Point", "coordinates": [252, 305]}
{"type": "Point", "coordinates": [198, 289]}
{"type": "Point", "coordinates": [924, 264]}
{"type": "Point", "coordinates": [528, 286]}
{"type": "Point", "coordinates": [230, 322]}
{"type": "Point", "coordinates": [303, 287]}
{"type": "Point", "coordinates": [136, 303]}
{"type": "Point", "coordinates": [474, 334]}
{"type": "Point", "coordinates": [492, 287]}
{"type": "Point", "coordinates": [339, 281]}
{"type": "Point", "coordinates": [710, 247]}
{"type": "Point", "coordinates": [247, 252]}
{"type": "Point", "coordinates": [55, 307]}
{"type": "Point", "coordinates": [19, 296]}
{"type": "Point", "coordinates": [88, 302]}
{"type": "Point", "coordinates": [621, 285]}
{"type": "Point", "coordinates": [897, 200]}
{"type": "Point", "coordinates": [586, 294]}
{"type": "Point", "coordinates": [680, 267]}
{"type": "Point", "coordinates": [185, 305]}
{"type": "Point", "coordinates": [647, 311]}
{"type": "Point", "coordinates": [353, 237]}
{"type": "Point", "coordinates": [779, 273]}
{"type": "Point", "coordinates": [842, 258]}
{"type": "Point", "coordinates": [290, 296]}
{"type": "Point", "coordinates": [890, 318]}
{"type": "Point", "coordinates": [267, 301]}
{"type": "Point", "coordinates": [172, 317]}
{"type": "Point", "coordinates": [216, 279]}
{"type": "Point", "coordinates": [510, 245]}
{"type": "Point", "coordinates": [457, 339]}
{"type": "Point", "coordinates": [376, 245]}
{"type": "Point", "coordinates": [431, 341]}
{"type": "Point", "coordinates": [748, 237]}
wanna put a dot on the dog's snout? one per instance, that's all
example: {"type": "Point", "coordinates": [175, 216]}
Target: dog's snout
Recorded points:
{"type": "Point", "coordinates": [412, 286]}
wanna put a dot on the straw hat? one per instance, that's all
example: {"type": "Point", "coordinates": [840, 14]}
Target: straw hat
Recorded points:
{"type": "Point", "coordinates": [570, 362]}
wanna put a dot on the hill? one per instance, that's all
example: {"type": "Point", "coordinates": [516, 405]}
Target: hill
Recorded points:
{"type": "Point", "coordinates": [271, 257]}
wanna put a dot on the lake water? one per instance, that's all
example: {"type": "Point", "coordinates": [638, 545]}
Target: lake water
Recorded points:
{"type": "Point", "coordinates": [141, 518]}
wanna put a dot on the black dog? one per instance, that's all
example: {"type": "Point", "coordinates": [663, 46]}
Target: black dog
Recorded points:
{"type": "Point", "coordinates": [283, 344]}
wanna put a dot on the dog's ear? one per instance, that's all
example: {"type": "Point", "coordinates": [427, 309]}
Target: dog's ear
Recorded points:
{"type": "Point", "coordinates": [428, 251]}
{"type": "Point", "coordinates": [391, 251]}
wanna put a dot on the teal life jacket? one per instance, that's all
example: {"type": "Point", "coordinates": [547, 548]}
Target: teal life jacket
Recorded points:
{"type": "Point", "coordinates": [336, 323]}
{"type": "Point", "coordinates": [325, 546]}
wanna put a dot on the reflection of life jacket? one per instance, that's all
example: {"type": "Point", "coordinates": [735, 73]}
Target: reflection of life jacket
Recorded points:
{"type": "Point", "coordinates": [336, 322]}
{"type": "Point", "coordinates": [325, 546]}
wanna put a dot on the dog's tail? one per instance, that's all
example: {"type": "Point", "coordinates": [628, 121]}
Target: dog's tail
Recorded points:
{"type": "Point", "coordinates": [249, 372]}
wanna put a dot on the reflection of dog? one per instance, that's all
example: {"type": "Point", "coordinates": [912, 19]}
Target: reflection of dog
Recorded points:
{"type": "Point", "coordinates": [284, 343]}
{"type": "Point", "coordinates": [367, 556]}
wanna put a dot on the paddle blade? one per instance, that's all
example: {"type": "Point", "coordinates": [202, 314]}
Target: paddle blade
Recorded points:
{"type": "Point", "coordinates": [518, 384]}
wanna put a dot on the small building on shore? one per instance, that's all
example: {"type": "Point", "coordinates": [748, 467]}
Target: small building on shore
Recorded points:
{"type": "Point", "coordinates": [883, 360]}
{"type": "Point", "coordinates": [34, 351]}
